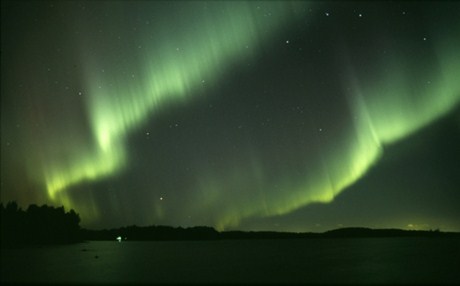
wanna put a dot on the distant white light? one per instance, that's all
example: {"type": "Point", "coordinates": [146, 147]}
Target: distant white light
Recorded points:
{"type": "Point", "coordinates": [327, 13]}
{"type": "Point", "coordinates": [119, 238]}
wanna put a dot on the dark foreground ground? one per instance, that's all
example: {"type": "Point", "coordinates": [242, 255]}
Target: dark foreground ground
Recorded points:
{"type": "Point", "coordinates": [391, 260]}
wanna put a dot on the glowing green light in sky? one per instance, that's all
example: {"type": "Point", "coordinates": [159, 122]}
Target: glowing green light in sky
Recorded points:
{"type": "Point", "coordinates": [396, 101]}
{"type": "Point", "coordinates": [387, 108]}
{"type": "Point", "coordinates": [175, 65]}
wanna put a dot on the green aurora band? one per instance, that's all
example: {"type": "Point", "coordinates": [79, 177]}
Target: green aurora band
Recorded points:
{"type": "Point", "coordinates": [385, 108]}
{"type": "Point", "coordinates": [227, 33]}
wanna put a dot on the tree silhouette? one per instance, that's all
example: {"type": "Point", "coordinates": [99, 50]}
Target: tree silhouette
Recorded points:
{"type": "Point", "coordinates": [39, 224]}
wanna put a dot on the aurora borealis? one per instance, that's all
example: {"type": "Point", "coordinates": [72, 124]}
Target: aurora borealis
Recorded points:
{"type": "Point", "coordinates": [238, 115]}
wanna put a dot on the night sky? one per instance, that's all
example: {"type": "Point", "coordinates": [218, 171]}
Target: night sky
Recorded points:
{"type": "Point", "coordinates": [285, 116]}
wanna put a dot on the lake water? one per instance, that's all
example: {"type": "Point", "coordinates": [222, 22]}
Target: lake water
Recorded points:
{"type": "Point", "coordinates": [351, 260]}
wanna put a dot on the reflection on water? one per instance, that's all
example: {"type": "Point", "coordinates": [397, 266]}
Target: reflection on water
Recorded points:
{"type": "Point", "coordinates": [354, 260]}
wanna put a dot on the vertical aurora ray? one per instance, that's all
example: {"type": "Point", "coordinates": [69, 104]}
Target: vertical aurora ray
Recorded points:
{"type": "Point", "coordinates": [398, 100]}
{"type": "Point", "coordinates": [175, 66]}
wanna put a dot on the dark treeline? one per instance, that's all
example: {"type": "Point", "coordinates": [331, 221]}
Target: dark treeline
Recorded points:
{"type": "Point", "coordinates": [179, 233]}
{"type": "Point", "coordinates": [153, 233]}
{"type": "Point", "coordinates": [50, 225]}
{"type": "Point", "coordinates": [391, 232]}
{"type": "Point", "coordinates": [208, 233]}
{"type": "Point", "coordinates": [38, 225]}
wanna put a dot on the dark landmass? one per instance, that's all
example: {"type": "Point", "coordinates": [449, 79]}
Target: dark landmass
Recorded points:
{"type": "Point", "coordinates": [48, 225]}
{"type": "Point", "coordinates": [156, 233]}
{"type": "Point", "coordinates": [38, 225]}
